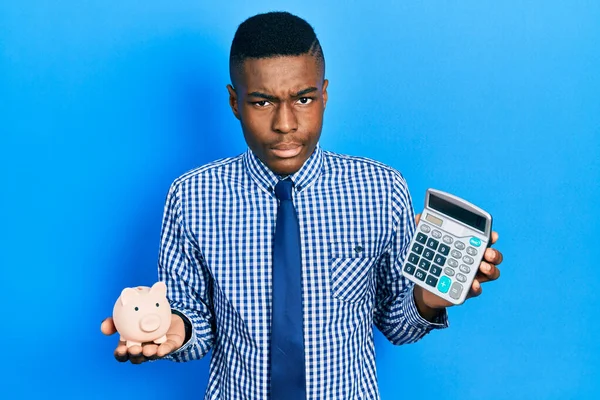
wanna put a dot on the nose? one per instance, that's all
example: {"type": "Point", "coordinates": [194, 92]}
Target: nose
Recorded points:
{"type": "Point", "coordinates": [285, 120]}
{"type": "Point", "coordinates": [150, 323]}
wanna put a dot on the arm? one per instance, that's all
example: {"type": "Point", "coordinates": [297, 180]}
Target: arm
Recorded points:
{"type": "Point", "coordinates": [182, 267]}
{"type": "Point", "coordinates": [396, 312]}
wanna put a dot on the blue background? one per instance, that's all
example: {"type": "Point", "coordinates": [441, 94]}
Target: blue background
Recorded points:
{"type": "Point", "coordinates": [103, 104]}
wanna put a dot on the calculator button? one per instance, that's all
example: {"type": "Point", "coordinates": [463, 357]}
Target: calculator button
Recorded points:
{"type": "Point", "coordinates": [440, 260]}
{"type": "Point", "coordinates": [461, 278]}
{"type": "Point", "coordinates": [463, 268]}
{"type": "Point", "coordinates": [428, 254]}
{"type": "Point", "coordinates": [436, 234]}
{"type": "Point", "coordinates": [471, 251]}
{"type": "Point", "coordinates": [468, 260]}
{"type": "Point", "coordinates": [424, 264]}
{"type": "Point", "coordinates": [421, 238]}
{"type": "Point", "coordinates": [413, 258]}
{"type": "Point", "coordinates": [432, 243]}
{"type": "Point", "coordinates": [417, 248]}
{"type": "Point", "coordinates": [444, 284]}
{"type": "Point", "coordinates": [425, 228]}
{"type": "Point", "coordinates": [435, 270]}
{"type": "Point", "coordinates": [459, 245]}
{"type": "Point", "coordinates": [420, 275]}
{"type": "Point", "coordinates": [455, 253]}
{"type": "Point", "coordinates": [448, 239]}
{"type": "Point", "coordinates": [431, 281]}
{"type": "Point", "coordinates": [456, 290]}
{"type": "Point", "coordinates": [475, 242]}
{"type": "Point", "coordinates": [452, 262]}
{"type": "Point", "coordinates": [444, 250]}
{"type": "Point", "coordinates": [409, 268]}
{"type": "Point", "coordinates": [448, 271]}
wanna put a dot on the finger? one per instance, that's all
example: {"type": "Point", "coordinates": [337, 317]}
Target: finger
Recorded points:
{"type": "Point", "coordinates": [149, 350]}
{"type": "Point", "coordinates": [134, 350]}
{"type": "Point", "coordinates": [475, 289]}
{"type": "Point", "coordinates": [172, 344]}
{"type": "Point", "coordinates": [417, 218]}
{"type": "Point", "coordinates": [108, 326]}
{"type": "Point", "coordinates": [494, 237]}
{"type": "Point", "coordinates": [135, 354]}
{"type": "Point", "coordinates": [493, 256]}
{"type": "Point", "coordinates": [488, 272]}
{"type": "Point", "coordinates": [121, 353]}
{"type": "Point", "coordinates": [138, 359]}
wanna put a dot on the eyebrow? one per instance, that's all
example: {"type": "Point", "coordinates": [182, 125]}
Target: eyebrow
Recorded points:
{"type": "Point", "coordinates": [273, 98]}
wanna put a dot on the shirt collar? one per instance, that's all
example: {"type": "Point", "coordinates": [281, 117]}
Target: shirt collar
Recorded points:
{"type": "Point", "coordinates": [267, 179]}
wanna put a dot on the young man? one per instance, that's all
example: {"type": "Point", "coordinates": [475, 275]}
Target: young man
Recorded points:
{"type": "Point", "coordinates": [281, 259]}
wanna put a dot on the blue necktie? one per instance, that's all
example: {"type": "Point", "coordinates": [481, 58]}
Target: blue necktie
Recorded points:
{"type": "Point", "coordinates": [288, 381]}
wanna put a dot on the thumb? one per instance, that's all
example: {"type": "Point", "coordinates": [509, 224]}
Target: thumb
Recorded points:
{"type": "Point", "coordinates": [108, 326]}
{"type": "Point", "coordinates": [417, 218]}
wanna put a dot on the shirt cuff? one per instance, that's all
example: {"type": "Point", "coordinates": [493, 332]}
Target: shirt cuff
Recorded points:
{"type": "Point", "coordinates": [415, 319]}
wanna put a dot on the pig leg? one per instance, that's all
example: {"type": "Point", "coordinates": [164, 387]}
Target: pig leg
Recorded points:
{"type": "Point", "coordinates": [132, 343]}
{"type": "Point", "coordinates": [161, 339]}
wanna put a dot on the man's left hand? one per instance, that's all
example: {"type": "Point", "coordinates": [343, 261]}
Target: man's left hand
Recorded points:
{"type": "Point", "coordinates": [429, 304]}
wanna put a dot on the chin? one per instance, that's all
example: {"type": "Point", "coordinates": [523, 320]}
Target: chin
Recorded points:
{"type": "Point", "coordinates": [286, 167]}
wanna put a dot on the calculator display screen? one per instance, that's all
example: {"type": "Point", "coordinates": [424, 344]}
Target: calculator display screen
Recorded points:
{"type": "Point", "coordinates": [452, 210]}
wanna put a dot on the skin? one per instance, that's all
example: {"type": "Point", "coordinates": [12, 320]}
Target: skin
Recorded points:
{"type": "Point", "coordinates": [147, 351]}
{"type": "Point", "coordinates": [280, 104]}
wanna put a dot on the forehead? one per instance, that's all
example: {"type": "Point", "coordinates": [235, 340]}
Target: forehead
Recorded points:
{"type": "Point", "coordinates": [280, 74]}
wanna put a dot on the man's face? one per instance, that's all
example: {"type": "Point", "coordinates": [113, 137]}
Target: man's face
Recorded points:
{"type": "Point", "coordinates": [280, 103]}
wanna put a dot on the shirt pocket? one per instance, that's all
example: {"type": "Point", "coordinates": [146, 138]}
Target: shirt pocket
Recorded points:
{"type": "Point", "coordinates": [350, 270]}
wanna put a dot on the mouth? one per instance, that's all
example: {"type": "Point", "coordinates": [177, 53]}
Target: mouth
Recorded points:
{"type": "Point", "coordinates": [286, 150]}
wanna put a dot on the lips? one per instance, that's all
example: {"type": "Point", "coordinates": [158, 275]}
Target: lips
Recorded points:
{"type": "Point", "coordinates": [286, 150]}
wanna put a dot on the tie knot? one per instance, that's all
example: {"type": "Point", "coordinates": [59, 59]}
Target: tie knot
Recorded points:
{"type": "Point", "coordinates": [283, 189]}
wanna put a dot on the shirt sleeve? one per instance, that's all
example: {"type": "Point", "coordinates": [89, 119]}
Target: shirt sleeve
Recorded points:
{"type": "Point", "coordinates": [183, 269]}
{"type": "Point", "coordinates": [396, 314]}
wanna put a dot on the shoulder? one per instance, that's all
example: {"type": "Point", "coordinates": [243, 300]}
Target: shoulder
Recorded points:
{"type": "Point", "coordinates": [224, 168]}
{"type": "Point", "coordinates": [363, 169]}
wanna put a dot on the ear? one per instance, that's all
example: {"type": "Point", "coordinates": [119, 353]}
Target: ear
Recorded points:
{"type": "Point", "coordinates": [325, 95]}
{"type": "Point", "coordinates": [128, 295]}
{"type": "Point", "coordinates": [159, 288]}
{"type": "Point", "coordinates": [233, 101]}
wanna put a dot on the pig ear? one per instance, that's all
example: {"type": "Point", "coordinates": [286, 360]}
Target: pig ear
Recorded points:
{"type": "Point", "coordinates": [128, 295]}
{"type": "Point", "coordinates": [159, 288]}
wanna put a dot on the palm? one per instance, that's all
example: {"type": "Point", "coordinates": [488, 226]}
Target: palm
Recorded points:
{"type": "Point", "coordinates": [147, 351]}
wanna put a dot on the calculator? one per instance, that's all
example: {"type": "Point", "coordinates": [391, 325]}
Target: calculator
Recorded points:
{"type": "Point", "coordinates": [448, 246]}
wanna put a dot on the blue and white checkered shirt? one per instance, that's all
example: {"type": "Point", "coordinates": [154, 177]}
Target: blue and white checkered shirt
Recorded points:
{"type": "Point", "coordinates": [356, 221]}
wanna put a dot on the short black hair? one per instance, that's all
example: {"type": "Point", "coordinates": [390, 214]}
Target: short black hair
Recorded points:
{"type": "Point", "coordinates": [274, 34]}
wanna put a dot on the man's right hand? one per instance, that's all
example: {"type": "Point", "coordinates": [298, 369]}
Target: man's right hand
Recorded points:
{"type": "Point", "coordinates": [147, 351]}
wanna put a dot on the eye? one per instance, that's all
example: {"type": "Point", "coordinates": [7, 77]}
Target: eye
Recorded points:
{"type": "Point", "coordinates": [136, 309]}
{"type": "Point", "coordinates": [156, 304]}
{"type": "Point", "coordinates": [261, 104]}
{"type": "Point", "coordinates": [305, 100]}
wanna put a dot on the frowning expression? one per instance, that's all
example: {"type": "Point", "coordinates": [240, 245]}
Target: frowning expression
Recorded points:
{"type": "Point", "coordinates": [280, 103]}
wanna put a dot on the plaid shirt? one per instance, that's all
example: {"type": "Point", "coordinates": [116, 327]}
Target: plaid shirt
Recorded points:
{"type": "Point", "coordinates": [356, 221]}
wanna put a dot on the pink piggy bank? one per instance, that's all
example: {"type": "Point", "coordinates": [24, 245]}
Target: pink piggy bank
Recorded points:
{"type": "Point", "coordinates": [143, 314]}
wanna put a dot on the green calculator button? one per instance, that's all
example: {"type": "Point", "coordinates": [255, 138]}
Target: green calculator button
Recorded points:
{"type": "Point", "coordinates": [444, 284]}
{"type": "Point", "coordinates": [475, 242]}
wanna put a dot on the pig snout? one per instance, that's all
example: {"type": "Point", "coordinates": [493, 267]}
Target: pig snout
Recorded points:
{"type": "Point", "coordinates": [150, 323]}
